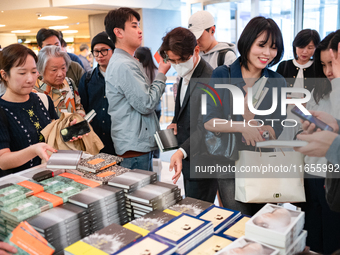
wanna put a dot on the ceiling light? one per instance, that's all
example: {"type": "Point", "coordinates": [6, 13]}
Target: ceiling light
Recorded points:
{"type": "Point", "coordinates": [69, 31]}
{"type": "Point", "coordinates": [58, 27]}
{"type": "Point", "coordinates": [2, 25]}
{"type": "Point", "coordinates": [52, 17]}
{"type": "Point", "coordinates": [27, 41]}
{"type": "Point", "coordinates": [20, 31]}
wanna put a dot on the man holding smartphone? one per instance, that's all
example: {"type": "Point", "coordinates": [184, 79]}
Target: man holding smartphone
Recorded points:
{"type": "Point", "coordinates": [132, 101]}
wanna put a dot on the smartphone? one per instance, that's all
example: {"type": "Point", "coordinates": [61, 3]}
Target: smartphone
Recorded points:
{"type": "Point", "coordinates": [77, 129]}
{"type": "Point", "coordinates": [318, 123]}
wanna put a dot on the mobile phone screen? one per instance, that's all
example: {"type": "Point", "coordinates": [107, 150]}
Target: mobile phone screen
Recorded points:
{"type": "Point", "coordinates": [77, 129]}
{"type": "Point", "coordinates": [318, 123]}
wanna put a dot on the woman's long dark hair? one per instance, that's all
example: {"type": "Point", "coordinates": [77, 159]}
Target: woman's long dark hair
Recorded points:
{"type": "Point", "coordinates": [143, 54]}
{"type": "Point", "coordinates": [325, 87]}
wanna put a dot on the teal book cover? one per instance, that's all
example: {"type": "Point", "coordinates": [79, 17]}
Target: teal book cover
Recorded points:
{"type": "Point", "coordinates": [13, 193]}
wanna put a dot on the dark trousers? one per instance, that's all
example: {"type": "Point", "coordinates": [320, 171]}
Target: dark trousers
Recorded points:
{"type": "Point", "coordinates": [322, 224]}
{"type": "Point", "coordinates": [204, 189]}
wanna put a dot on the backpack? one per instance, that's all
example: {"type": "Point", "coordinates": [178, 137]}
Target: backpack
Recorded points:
{"type": "Point", "coordinates": [221, 56]}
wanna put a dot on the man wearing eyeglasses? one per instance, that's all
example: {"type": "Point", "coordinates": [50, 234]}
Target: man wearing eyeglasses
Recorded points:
{"type": "Point", "coordinates": [132, 99]}
{"type": "Point", "coordinates": [92, 90]}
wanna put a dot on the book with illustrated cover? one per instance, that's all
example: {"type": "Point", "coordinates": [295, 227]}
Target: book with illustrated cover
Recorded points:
{"type": "Point", "coordinates": [25, 208]}
{"type": "Point", "coordinates": [296, 247]}
{"type": "Point", "coordinates": [46, 221]}
{"type": "Point", "coordinates": [28, 241]}
{"type": "Point", "coordinates": [166, 140]}
{"type": "Point", "coordinates": [236, 229]}
{"type": "Point", "coordinates": [67, 190]}
{"type": "Point", "coordinates": [275, 225]}
{"type": "Point", "coordinates": [12, 193]}
{"type": "Point", "coordinates": [220, 217]}
{"type": "Point", "coordinates": [64, 159]}
{"type": "Point", "coordinates": [98, 162]}
{"type": "Point", "coordinates": [146, 246]}
{"type": "Point", "coordinates": [149, 222]}
{"type": "Point", "coordinates": [55, 181]}
{"type": "Point", "coordinates": [111, 238]}
{"type": "Point", "coordinates": [132, 180]}
{"type": "Point", "coordinates": [244, 245]}
{"type": "Point", "coordinates": [190, 206]}
{"type": "Point", "coordinates": [210, 246]}
{"type": "Point", "coordinates": [88, 198]}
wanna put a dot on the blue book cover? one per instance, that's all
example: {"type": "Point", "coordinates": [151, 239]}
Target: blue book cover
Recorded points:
{"type": "Point", "coordinates": [148, 245]}
{"type": "Point", "coordinates": [235, 229]}
{"type": "Point", "coordinates": [181, 229]}
{"type": "Point", "coordinates": [220, 217]}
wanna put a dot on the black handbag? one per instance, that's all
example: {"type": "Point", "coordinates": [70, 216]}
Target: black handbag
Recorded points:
{"type": "Point", "coordinates": [223, 144]}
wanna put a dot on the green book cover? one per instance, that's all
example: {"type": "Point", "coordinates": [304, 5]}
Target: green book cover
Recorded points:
{"type": "Point", "coordinates": [25, 208]}
{"type": "Point", "coordinates": [56, 181]}
{"type": "Point", "coordinates": [13, 193]}
{"type": "Point", "coordinates": [67, 190]}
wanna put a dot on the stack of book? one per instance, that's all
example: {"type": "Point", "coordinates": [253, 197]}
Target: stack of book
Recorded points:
{"type": "Point", "coordinates": [98, 163]}
{"type": "Point", "coordinates": [63, 225]}
{"type": "Point", "coordinates": [148, 245]}
{"type": "Point", "coordinates": [220, 217]}
{"type": "Point", "coordinates": [184, 231]}
{"type": "Point", "coordinates": [244, 245]}
{"type": "Point", "coordinates": [149, 222]}
{"type": "Point", "coordinates": [105, 205]}
{"type": "Point", "coordinates": [188, 205]}
{"type": "Point", "coordinates": [39, 173]}
{"type": "Point", "coordinates": [278, 227]}
{"type": "Point", "coordinates": [158, 195]}
{"type": "Point", "coordinates": [236, 229]}
{"type": "Point", "coordinates": [105, 241]}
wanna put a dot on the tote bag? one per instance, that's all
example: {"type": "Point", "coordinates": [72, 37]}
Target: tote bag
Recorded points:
{"type": "Point", "coordinates": [269, 186]}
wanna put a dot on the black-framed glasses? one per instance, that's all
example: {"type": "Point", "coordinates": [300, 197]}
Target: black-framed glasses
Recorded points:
{"type": "Point", "coordinates": [104, 52]}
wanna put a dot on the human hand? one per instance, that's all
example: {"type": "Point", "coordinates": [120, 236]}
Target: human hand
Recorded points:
{"type": "Point", "coordinates": [163, 67]}
{"type": "Point", "coordinates": [335, 61]}
{"type": "Point", "coordinates": [174, 127]}
{"type": "Point", "coordinates": [251, 135]}
{"type": "Point", "coordinates": [5, 247]}
{"type": "Point", "coordinates": [176, 164]}
{"type": "Point", "coordinates": [318, 143]}
{"type": "Point", "coordinates": [309, 128]}
{"type": "Point", "coordinates": [41, 149]}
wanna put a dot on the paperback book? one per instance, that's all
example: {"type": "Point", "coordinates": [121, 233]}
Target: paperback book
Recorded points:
{"type": "Point", "coordinates": [236, 229]}
{"type": "Point", "coordinates": [189, 206]}
{"type": "Point", "coordinates": [98, 162]}
{"type": "Point", "coordinates": [64, 159]}
{"type": "Point", "coordinates": [10, 193]}
{"type": "Point", "coordinates": [210, 246]}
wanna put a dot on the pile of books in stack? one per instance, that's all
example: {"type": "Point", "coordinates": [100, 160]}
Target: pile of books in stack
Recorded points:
{"type": "Point", "coordinates": [62, 226]}
{"type": "Point", "coordinates": [105, 241]}
{"type": "Point", "coordinates": [131, 181]}
{"type": "Point", "coordinates": [105, 205]}
{"type": "Point", "coordinates": [279, 228]}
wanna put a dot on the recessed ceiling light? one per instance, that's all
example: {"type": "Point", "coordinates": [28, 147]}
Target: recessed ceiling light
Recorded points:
{"type": "Point", "coordinates": [2, 25]}
{"type": "Point", "coordinates": [20, 31]}
{"type": "Point", "coordinates": [58, 27]}
{"type": "Point", "coordinates": [52, 17]}
{"type": "Point", "coordinates": [69, 31]}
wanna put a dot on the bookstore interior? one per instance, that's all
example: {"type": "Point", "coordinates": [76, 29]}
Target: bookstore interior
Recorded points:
{"type": "Point", "coordinates": [76, 203]}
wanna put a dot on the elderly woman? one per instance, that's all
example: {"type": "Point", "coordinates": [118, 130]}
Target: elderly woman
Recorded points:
{"type": "Point", "coordinates": [52, 65]}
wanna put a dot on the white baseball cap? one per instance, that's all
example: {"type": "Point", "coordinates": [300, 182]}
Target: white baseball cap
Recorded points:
{"type": "Point", "coordinates": [200, 21]}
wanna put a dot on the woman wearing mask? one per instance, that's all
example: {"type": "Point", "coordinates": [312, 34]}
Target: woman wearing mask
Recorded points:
{"type": "Point", "coordinates": [322, 224]}
{"type": "Point", "coordinates": [22, 113]}
{"type": "Point", "coordinates": [260, 46]}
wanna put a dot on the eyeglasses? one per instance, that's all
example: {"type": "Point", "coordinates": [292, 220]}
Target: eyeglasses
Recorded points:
{"type": "Point", "coordinates": [104, 52]}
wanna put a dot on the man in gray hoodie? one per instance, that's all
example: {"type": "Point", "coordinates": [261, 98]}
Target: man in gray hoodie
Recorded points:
{"type": "Point", "coordinates": [202, 25]}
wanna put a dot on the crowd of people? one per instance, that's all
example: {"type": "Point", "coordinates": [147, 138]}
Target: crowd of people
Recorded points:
{"type": "Point", "coordinates": [126, 87]}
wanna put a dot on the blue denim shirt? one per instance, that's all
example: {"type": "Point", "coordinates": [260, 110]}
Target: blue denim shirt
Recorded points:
{"type": "Point", "coordinates": [93, 97]}
{"type": "Point", "coordinates": [221, 76]}
{"type": "Point", "coordinates": [132, 103]}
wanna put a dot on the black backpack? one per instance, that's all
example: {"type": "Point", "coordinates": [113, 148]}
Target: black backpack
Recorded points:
{"type": "Point", "coordinates": [221, 56]}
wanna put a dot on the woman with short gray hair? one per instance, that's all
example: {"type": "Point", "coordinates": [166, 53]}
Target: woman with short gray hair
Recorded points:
{"type": "Point", "coordinates": [52, 65]}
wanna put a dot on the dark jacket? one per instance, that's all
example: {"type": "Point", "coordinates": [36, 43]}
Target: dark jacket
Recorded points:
{"type": "Point", "coordinates": [190, 114]}
{"type": "Point", "coordinates": [289, 71]}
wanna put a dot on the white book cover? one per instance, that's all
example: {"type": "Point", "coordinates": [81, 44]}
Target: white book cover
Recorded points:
{"type": "Point", "coordinates": [275, 225]}
{"type": "Point", "coordinates": [247, 246]}
{"type": "Point", "coordinates": [298, 246]}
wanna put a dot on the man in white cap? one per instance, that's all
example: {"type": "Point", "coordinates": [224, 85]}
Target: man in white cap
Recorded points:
{"type": "Point", "coordinates": [202, 25]}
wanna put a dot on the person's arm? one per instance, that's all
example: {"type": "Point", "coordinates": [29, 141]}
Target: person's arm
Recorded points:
{"type": "Point", "coordinates": [333, 153]}
{"type": "Point", "coordinates": [6, 249]}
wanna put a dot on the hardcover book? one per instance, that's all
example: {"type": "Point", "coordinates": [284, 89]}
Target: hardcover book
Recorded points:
{"type": "Point", "coordinates": [245, 245]}
{"type": "Point", "coordinates": [149, 222]}
{"type": "Point", "coordinates": [66, 190]}
{"type": "Point", "coordinates": [12, 193]}
{"type": "Point", "coordinates": [105, 175]}
{"type": "Point", "coordinates": [148, 245]}
{"type": "Point", "coordinates": [55, 181]}
{"type": "Point", "coordinates": [64, 159]}
{"type": "Point", "coordinates": [275, 225]}
{"type": "Point", "coordinates": [188, 205]}
{"type": "Point", "coordinates": [210, 246]}
{"type": "Point", "coordinates": [166, 140]}
{"type": "Point", "coordinates": [161, 204]}
{"type": "Point", "coordinates": [98, 162]}
{"type": "Point", "coordinates": [236, 229]}
{"type": "Point", "coordinates": [220, 217]}
{"type": "Point", "coordinates": [132, 180]}
{"type": "Point", "coordinates": [111, 238]}
{"type": "Point", "coordinates": [296, 247]}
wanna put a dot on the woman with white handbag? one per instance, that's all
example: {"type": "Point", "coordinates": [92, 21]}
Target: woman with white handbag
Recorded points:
{"type": "Point", "coordinates": [260, 46]}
